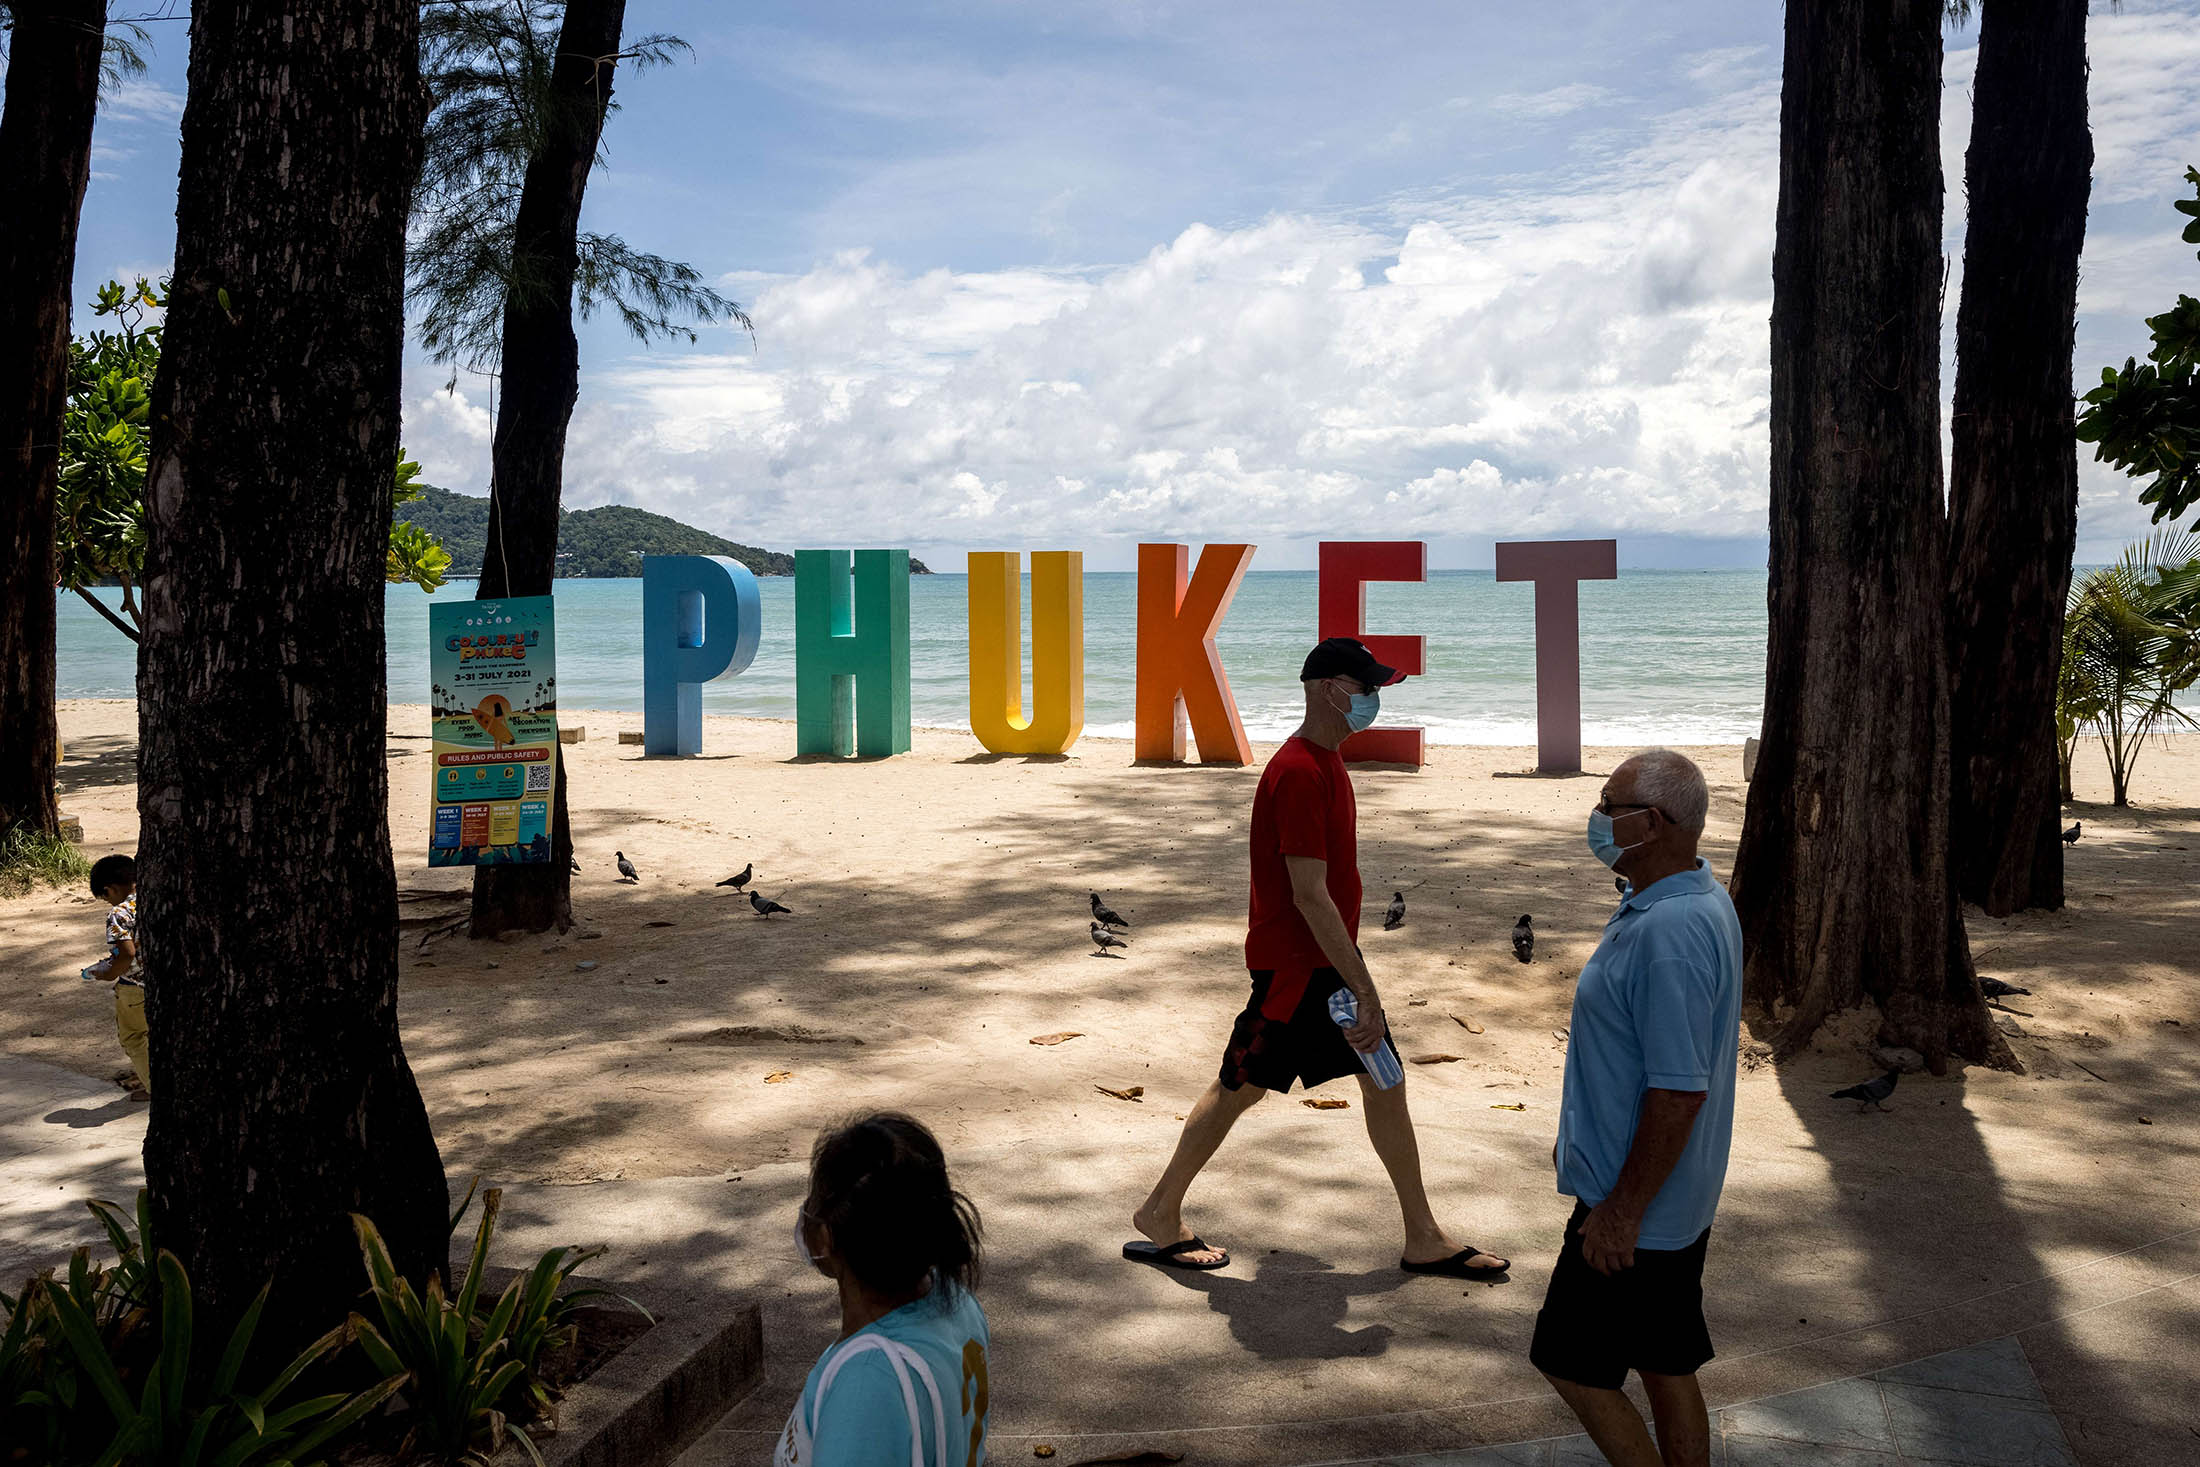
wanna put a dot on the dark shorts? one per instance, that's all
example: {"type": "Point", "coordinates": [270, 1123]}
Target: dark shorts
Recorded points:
{"type": "Point", "coordinates": [1596, 1327]}
{"type": "Point", "coordinates": [1285, 1034]}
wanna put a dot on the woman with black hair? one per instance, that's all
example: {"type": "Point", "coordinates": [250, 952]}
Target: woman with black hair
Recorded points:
{"type": "Point", "coordinates": [906, 1381]}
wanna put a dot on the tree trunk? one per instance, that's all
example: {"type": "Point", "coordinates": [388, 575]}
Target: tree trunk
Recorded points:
{"type": "Point", "coordinates": [1843, 879]}
{"type": "Point", "coordinates": [541, 380]}
{"type": "Point", "coordinates": [282, 1100]}
{"type": "Point", "coordinates": [2013, 483]}
{"type": "Point", "coordinates": [46, 157]}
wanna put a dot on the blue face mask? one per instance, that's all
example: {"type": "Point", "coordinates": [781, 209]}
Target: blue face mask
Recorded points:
{"type": "Point", "coordinates": [1362, 713]}
{"type": "Point", "coordinates": [1601, 844]}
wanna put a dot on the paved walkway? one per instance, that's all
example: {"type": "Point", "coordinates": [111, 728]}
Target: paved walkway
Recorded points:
{"type": "Point", "coordinates": [1978, 1407]}
{"type": "Point", "coordinates": [1318, 1350]}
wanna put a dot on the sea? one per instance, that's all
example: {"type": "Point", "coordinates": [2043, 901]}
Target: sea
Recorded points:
{"type": "Point", "coordinates": [1667, 656]}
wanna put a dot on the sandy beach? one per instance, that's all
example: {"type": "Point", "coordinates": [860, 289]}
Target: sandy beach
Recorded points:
{"type": "Point", "coordinates": [938, 927]}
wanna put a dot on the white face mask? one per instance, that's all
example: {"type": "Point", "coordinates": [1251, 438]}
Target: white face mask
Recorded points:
{"type": "Point", "coordinates": [801, 1236]}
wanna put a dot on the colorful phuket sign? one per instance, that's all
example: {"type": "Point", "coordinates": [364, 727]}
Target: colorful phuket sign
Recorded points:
{"type": "Point", "coordinates": [701, 619]}
{"type": "Point", "coordinates": [493, 680]}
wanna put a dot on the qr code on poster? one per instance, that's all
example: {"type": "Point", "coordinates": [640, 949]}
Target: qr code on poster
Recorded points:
{"type": "Point", "coordinates": [538, 778]}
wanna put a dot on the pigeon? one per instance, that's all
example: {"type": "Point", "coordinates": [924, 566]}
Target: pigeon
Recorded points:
{"type": "Point", "coordinates": [1394, 916]}
{"type": "Point", "coordinates": [576, 865]}
{"type": "Point", "coordinates": [1524, 939]}
{"type": "Point", "coordinates": [1104, 939]}
{"type": "Point", "coordinates": [737, 882]}
{"type": "Point", "coordinates": [626, 868]}
{"type": "Point", "coordinates": [765, 906]}
{"type": "Point", "coordinates": [2070, 836]}
{"type": "Point", "coordinates": [1871, 1092]}
{"type": "Point", "coordinates": [1995, 988]}
{"type": "Point", "coordinates": [1101, 913]}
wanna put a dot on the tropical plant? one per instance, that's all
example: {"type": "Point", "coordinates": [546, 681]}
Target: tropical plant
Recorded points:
{"type": "Point", "coordinates": [456, 1369]}
{"type": "Point", "coordinates": [2131, 644]}
{"type": "Point", "coordinates": [41, 1382]}
{"type": "Point", "coordinates": [2145, 417]}
{"type": "Point", "coordinates": [99, 504]}
{"type": "Point", "coordinates": [488, 68]}
{"type": "Point", "coordinates": [547, 1319]}
{"type": "Point", "coordinates": [182, 1419]}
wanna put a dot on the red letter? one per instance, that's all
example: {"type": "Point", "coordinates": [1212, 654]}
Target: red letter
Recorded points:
{"type": "Point", "coordinates": [1341, 611]}
{"type": "Point", "coordinates": [1558, 567]}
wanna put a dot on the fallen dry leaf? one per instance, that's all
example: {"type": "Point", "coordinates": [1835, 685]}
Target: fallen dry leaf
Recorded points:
{"type": "Point", "coordinates": [1466, 1023]}
{"type": "Point", "coordinates": [1325, 1102]}
{"type": "Point", "coordinates": [779, 1077]}
{"type": "Point", "coordinates": [1131, 1094]}
{"type": "Point", "coordinates": [1513, 1105]}
{"type": "Point", "coordinates": [1042, 1450]}
{"type": "Point", "coordinates": [1058, 1038]}
{"type": "Point", "coordinates": [1437, 1059]}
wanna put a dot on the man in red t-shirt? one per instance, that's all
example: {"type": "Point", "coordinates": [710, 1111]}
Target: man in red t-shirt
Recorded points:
{"type": "Point", "coordinates": [1300, 947]}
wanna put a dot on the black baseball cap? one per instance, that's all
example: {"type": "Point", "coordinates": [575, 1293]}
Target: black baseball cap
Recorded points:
{"type": "Point", "coordinates": [1347, 657]}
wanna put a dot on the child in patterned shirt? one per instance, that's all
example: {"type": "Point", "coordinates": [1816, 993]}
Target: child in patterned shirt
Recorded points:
{"type": "Point", "coordinates": [114, 881]}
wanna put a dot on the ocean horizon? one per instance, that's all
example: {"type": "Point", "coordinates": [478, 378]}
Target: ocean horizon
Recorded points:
{"type": "Point", "coordinates": [1667, 656]}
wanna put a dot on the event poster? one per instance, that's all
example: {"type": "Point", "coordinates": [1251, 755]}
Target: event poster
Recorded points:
{"type": "Point", "coordinates": [494, 688]}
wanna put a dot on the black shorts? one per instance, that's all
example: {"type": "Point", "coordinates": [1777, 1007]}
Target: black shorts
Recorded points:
{"type": "Point", "coordinates": [1596, 1327]}
{"type": "Point", "coordinates": [1284, 1035]}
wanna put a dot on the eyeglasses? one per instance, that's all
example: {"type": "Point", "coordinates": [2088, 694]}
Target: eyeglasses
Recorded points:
{"type": "Point", "coordinates": [1606, 807]}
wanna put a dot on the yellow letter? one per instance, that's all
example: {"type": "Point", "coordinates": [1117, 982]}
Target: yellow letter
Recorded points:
{"type": "Point", "coordinates": [1057, 651]}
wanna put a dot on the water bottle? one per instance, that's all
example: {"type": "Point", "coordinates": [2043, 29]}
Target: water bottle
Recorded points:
{"type": "Point", "coordinates": [1383, 1064]}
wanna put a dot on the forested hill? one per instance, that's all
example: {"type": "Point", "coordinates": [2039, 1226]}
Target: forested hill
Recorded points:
{"type": "Point", "coordinates": [607, 541]}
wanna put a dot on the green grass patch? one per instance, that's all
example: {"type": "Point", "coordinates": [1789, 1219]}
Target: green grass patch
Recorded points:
{"type": "Point", "coordinates": [29, 859]}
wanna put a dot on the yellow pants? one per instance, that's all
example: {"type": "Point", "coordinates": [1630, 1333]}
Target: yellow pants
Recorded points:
{"type": "Point", "coordinates": [130, 1029]}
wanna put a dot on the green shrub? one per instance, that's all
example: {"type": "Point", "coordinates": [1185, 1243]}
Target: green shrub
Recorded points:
{"type": "Point", "coordinates": [178, 1419]}
{"type": "Point", "coordinates": [456, 1368]}
{"type": "Point", "coordinates": [29, 859]}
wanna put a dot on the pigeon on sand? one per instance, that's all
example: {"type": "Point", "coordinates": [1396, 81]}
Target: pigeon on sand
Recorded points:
{"type": "Point", "coordinates": [1102, 914]}
{"type": "Point", "coordinates": [1524, 938]}
{"type": "Point", "coordinates": [1394, 916]}
{"type": "Point", "coordinates": [737, 882]}
{"type": "Point", "coordinates": [1104, 939]}
{"type": "Point", "coordinates": [2070, 836]}
{"type": "Point", "coordinates": [626, 868]}
{"type": "Point", "coordinates": [1995, 988]}
{"type": "Point", "coordinates": [1871, 1092]}
{"type": "Point", "coordinates": [765, 906]}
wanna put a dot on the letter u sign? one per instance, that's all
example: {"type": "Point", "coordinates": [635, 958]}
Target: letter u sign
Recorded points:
{"type": "Point", "coordinates": [1057, 651]}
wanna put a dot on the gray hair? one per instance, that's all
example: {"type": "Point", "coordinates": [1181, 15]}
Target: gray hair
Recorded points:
{"type": "Point", "coordinates": [1672, 782]}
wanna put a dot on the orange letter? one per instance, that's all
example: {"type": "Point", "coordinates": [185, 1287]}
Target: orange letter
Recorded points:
{"type": "Point", "coordinates": [1178, 667]}
{"type": "Point", "coordinates": [1340, 610]}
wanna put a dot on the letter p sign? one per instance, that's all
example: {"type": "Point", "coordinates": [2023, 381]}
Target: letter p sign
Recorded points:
{"type": "Point", "coordinates": [701, 619]}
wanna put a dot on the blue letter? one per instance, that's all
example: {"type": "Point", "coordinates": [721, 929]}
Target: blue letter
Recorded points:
{"type": "Point", "coordinates": [701, 618]}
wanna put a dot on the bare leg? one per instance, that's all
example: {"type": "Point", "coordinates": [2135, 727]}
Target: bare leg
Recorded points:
{"type": "Point", "coordinates": [1390, 1127]}
{"type": "Point", "coordinates": [1612, 1422]}
{"type": "Point", "coordinates": [1213, 1114]}
{"type": "Point", "coordinates": [1684, 1426]}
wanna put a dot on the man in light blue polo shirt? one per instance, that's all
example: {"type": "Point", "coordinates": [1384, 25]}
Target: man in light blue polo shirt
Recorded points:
{"type": "Point", "coordinates": [1645, 1123]}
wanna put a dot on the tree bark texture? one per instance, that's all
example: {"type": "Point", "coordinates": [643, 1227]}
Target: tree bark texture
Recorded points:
{"type": "Point", "coordinates": [282, 1100]}
{"type": "Point", "coordinates": [541, 375]}
{"type": "Point", "coordinates": [1843, 879]}
{"type": "Point", "coordinates": [2013, 480]}
{"type": "Point", "coordinates": [46, 158]}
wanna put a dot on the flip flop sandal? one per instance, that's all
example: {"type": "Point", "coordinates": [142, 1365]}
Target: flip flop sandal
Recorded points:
{"type": "Point", "coordinates": [1173, 1255]}
{"type": "Point", "coordinates": [1457, 1267]}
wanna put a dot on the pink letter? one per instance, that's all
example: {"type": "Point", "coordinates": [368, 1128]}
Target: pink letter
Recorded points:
{"type": "Point", "coordinates": [1558, 567]}
{"type": "Point", "coordinates": [1340, 610]}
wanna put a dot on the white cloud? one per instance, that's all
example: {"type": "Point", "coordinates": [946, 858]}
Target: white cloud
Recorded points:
{"type": "Point", "coordinates": [1555, 102]}
{"type": "Point", "coordinates": [1578, 351]}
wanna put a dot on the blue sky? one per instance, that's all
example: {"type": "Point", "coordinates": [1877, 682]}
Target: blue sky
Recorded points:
{"type": "Point", "coordinates": [1080, 274]}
